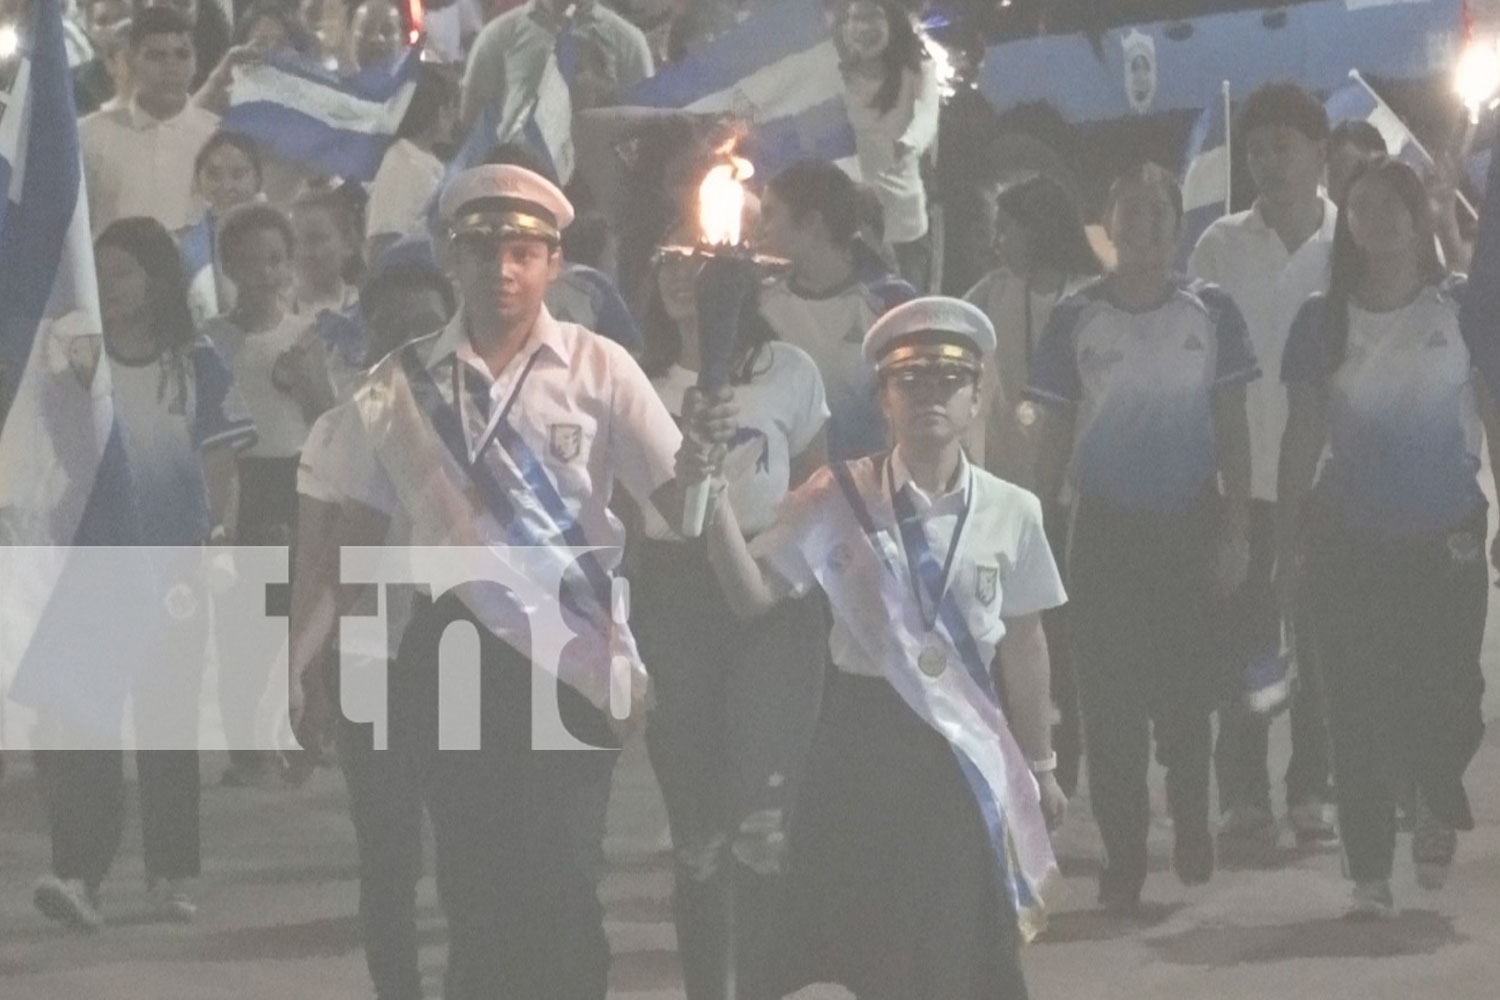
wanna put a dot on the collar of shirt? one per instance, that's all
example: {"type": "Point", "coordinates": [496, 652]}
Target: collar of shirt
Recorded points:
{"type": "Point", "coordinates": [453, 342]}
{"type": "Point", "coordinates": [141, 119]}
{"type": "Point", "coordinates": [950, 502]}
{"type": "Point", "coordinates": [555, 22]}
{"type": "Point", "coordinates": [1257, 222]}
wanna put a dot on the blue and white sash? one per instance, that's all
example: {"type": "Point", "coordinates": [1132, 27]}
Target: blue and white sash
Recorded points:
{"type": "Point", "coordinates": [962, 705]}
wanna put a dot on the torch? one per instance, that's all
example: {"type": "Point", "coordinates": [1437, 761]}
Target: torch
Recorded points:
{"type": "Point", "coordinates": [727, 258]}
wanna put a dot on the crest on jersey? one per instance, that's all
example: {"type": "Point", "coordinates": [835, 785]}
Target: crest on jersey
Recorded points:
{"type": "Point", "coordinates": [1140, 70]}
{"type": "Point", "coordinates": [565, 441]}
{"type": "Point", "coordinates": [986, 583]}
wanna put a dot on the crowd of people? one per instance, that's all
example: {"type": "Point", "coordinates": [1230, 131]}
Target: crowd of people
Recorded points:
{"type": "Point", "coordinates": [961, 554]}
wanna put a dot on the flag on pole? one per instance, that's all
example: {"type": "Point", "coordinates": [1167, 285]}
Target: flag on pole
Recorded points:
{"type": "Point", "coordinates": [63, 481]}
{"type": "Point", "coordinates": [340, 126]}
{"type": "Point", "coordinates": [1205, 175]}
{"type": "Point", "coordinates": [780, 71]}
{"type": "Point", "coordinates": [195, 245]}
{"type": "Point", "coordinates": [1356, 100]}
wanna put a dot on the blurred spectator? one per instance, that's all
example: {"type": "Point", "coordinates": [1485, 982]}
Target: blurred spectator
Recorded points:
{"type": "Point", "coordinates": [1351, 144]}
{"type": "Point", "coordinates": [138, 158]}
{"type": "Point", "coordinates": [210, 30]}
{"type": "Point", "coordinates": [104, 76]}
{"type": "Point", "coordinates": [226, 174]}
{"type": "Point", "coordinates": [376, 36]}
{"type": "Point", "coordinates": [452, 26]}
{"type": "Point", "coordinates": [411, 170]}
{"type": "Point", "coordinates": [325, 254]}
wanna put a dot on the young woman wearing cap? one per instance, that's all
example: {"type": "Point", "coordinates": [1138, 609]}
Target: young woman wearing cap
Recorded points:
{"type": "Point", "coordinates": [735, 701]}
{"type": "Point", "coordinates": [1146, 373]}
{"type": "Point", "coordinates": [919, 845]}
{"type": "Point", "coordinates": [1381, 376]}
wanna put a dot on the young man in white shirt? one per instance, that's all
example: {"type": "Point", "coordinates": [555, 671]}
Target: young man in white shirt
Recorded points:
{"type": "Point", "coordinates": [138, 158]}
{"type": "Point", "coordinates": [1270, 259]}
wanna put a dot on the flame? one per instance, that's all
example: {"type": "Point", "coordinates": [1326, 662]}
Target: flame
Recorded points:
{"type": "Point", "coordinates": [721, 200]}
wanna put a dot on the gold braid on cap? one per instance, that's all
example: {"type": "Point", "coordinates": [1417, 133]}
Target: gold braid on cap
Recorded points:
{"type": "Point", "coordinates": [507, 224]}
{"type": "Point", "coordinates": [930, 354]}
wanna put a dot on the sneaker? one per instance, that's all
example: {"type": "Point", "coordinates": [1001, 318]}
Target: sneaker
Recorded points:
{"type": "Point", "coordinates": [1433, 845]}
{"type": "Point", "coordinates": [1193, 856]}
{"type": "Point", "coordinates": [1371, 901]}
{"type": "Point", "coordinates": [1252, 823]}
{"type": "Point", "coordinates": [69, 902]}
{"type": "Point", "coordinates": [1315, 823]}
{"type": "Point", "coordinates": [171, 903]}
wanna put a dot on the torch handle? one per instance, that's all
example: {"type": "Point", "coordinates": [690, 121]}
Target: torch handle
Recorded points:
{"type": "Point", "coordinates": [695, 509]}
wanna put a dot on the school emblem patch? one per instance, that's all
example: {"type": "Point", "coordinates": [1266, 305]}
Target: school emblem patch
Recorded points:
{"type": "Point", "coordinates": [565, 441]}
{"type": "Point", "coordinates": [986, 583]}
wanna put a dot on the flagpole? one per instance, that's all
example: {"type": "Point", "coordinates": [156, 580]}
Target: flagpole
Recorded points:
{"type": "Point", "coordinates": [1228, 151]}
{"type": "Point", "coordinates": [1358, 78]}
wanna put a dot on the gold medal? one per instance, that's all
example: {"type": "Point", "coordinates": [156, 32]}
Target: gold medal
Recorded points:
{"type": "Point", "coordinates": [932, 661]}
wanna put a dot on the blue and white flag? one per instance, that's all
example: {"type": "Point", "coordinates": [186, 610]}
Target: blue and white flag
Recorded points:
{"type": "Point", "coordinates": [63, 481]}
{"type": "Point", "coordinates": [340, 126]}
{"type": "Point", "coordinates": [195, 245]}
{"type": "Point", "coordinates": [1356, 101]}
{"type": "Point", "coordinates": [1205, 178]}
{"type": "Point", "coordinates": [780, 71]}
{"type": "Point", "coordinates": [545, 123]}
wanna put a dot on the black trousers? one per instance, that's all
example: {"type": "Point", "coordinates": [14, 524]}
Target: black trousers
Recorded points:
{"type": "Point", "coordinates": [1253, 630]}
{"type": "Point", "coordinates": [84, 791]}
{"type": "Point", "coordinates": [735, 707]}
{"type": "Point", "coordinates": [1067, 733]}
{"type": "Point", "coordinates": [1140, 586]}
{"type": "Point", "coordinates": [1398, 627]}
{"type": "Point", "coordinates": [519, 833]}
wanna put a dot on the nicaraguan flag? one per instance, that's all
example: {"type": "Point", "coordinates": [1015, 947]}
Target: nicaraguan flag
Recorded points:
{"type": "Point", "coordinates": [1355, 100]}
{"type": "Point", "coordinates": [779, 70]}
{"type": "Point", "coordinates": [340, 126]}
{"type": "Point", "coordinates": [1205, 178]}
{"type": "Point", "coordinates": [546, 123]}
{"type": "Point", "coordinates": [64, 487]}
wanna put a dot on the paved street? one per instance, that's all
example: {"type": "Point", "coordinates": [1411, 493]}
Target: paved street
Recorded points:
{"type": "Point", "coordinates": [278, 902]}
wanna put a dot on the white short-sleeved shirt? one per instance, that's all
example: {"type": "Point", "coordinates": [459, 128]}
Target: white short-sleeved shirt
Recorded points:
{"type": "Point", "coordinates": [1403, 421]}
{"type": "Point", "coordinates": [136, 164]}
{"type": "Point", "coordinates": [831, 329]}
{"type": "Point", "coordinates": [586, 410]}
{"type": "Point", "coordinates": [781, 411]}
{"type": "Point", "coordinates": [449, 28]}
{"type": "Point", "coordinates": [402, 187]}
{"type": "Point", "coordinates": [279, 420]}
{"type": "Point", "coordinates": [1243, 255]}
{"type": "Point", "coordinates": [1143, 384]}
{"type": "Point", "coordinates": [1003, 569]}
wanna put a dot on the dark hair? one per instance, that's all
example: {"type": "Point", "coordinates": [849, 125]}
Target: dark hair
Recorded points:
{"type": "Point", "coordinates": [297, 34]}
{"type": "Point", "coordinates": [154, 21]}
{"type": "Point", "coordinates": [809, 186]}
{"type": "Point", "coordinates": [344, 204]}
{"type": "Point", "coordinates": [152, 247]}
{"type": "Point", "coordinates": [351, 7]}
{"type": "Point", "coordinates": [244, 220]}
{"type": "Point", "coordinates": [237, 140]}
{"type": "Point", "coordinates": [436, 88]}
{"type": "Point", "coordinates": [1360, 134]}
{"type": "Point", "coordinates": [903, 52]}
{"type": "Point", "coordinates": [663, 345]}
{"type": "Point", "coordinates": [1146, 172]}
{"type": "Point", "coordinates": [1347, 268]}
{"type": "Point", "coordinates": [1282, 103]}
{"type": "Point", "coordinates": [1054, 226]}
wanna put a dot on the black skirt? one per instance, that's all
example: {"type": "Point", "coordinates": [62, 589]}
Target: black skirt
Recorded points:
{"type": "Point", "coordinates": [891, 887]}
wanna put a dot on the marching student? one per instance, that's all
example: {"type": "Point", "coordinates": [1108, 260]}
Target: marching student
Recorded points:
{"type": "Point", "coordinates": [226, 174]}
{"type": "Point", "coordinates": [735, 702]}
{"type": "Point", "coordinates": [509, 429]}
{"type": "Point", "coordinates": [891, 90]}
{"type": "Point", "coordinates": [326, 251]}
{"type": "Point", "coordinates": [919, 845]}
{"type": "Point", "coordinates": [1140, 380]}
{"type": "Point", "coordinates": [1269, 259]}
{"type": "Point", "coordinates": [1391, 527]}
{"type": "Point", "coordinates": [181, 423]}
{"type": "Point", "coordinates": [410, 172]}
{"type": "Point", "coordinates": [1042, 254]}
{"type": "Point", "coordinates": [281, 368]}
{"type": "Point", "coordinates": [810, 215]}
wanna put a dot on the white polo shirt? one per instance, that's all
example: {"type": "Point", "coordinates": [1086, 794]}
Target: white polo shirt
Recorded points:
{"type": "Point", "coordinates": [1404, 432]}
{"type": "Point", "coordinates": [1003, 568]}
{"type": "Point", "coordinates": [586, 410]}
{"type": "Point", "coordinates": [136, 164]}
{"type": "Point", "coordinates": [1243, 255]}
{"type": "Point", "coordinates": [279, 421]}
{"type": "Point", "coordinates": [831, 328]}
{"type": "Point", "coordinates": [782, 408]}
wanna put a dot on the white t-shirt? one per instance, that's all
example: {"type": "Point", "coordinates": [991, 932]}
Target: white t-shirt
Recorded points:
{"type": "Point", "coordinates": [1243, 255]}
{"type": "Point", "coordinates": [278, 418]}
{"type": "Point", "coordinates": [136, 164]}
{"type": "Point", "coordinates": [1003, 568]}
{"type": "Point", "coordinates": [913, 122]}
{"type": "Point", "coordinates": [402, 187]}
{"type": "Point", "coordinates": [781, 411]}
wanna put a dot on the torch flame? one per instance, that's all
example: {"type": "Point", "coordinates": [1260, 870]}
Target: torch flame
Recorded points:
{"type": "Point", "coordinates": [721, 201]}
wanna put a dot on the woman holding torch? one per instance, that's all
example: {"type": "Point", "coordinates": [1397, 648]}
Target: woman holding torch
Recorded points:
{"type": "Point", "coordinates": [919, 847]}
